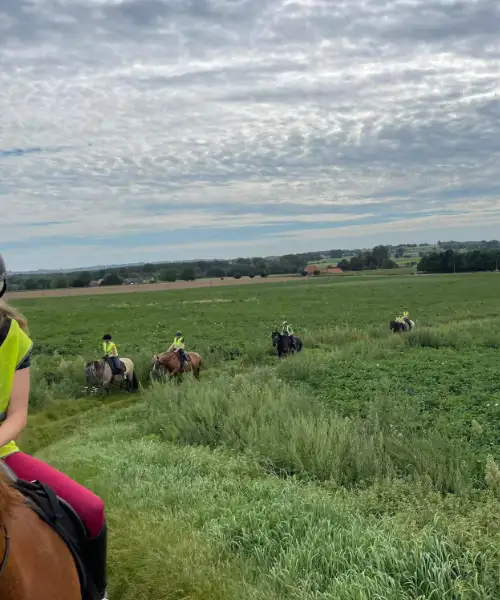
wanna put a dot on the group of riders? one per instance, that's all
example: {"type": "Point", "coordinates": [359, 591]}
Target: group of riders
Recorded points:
{"type": "Point", "coordinates": [15, 353]}
{"type": "Point", "coordinates": [178, 347]}
{"type": "Point", "coordinates": [110, 352]}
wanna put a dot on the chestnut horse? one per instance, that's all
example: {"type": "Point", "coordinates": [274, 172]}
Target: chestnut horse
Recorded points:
{"type": "Point", "coordinates": [35, 563]}
{"type": "Point", "coordinates": [170, 364]}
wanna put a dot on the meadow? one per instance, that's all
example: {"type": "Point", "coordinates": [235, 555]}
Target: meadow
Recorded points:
{"type": "Point", "coordinates": [366, 467]}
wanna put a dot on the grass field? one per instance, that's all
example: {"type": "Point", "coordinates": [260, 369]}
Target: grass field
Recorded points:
{"type": "Point", "coordinates": [364, 468]}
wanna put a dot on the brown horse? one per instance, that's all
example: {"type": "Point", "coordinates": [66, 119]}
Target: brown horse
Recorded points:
{"type": "Point", "coordinates": [170, 364]}
{"type": "Point", "coordinates": [35, 563]}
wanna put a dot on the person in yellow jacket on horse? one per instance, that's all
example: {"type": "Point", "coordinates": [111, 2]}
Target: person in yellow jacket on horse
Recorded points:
{"type": "Point", "coordinates": [111, 354]}
{"type": "Point", "coordinates": [178, 346]}
{"type": "Point", "coordinates": [15, 362]}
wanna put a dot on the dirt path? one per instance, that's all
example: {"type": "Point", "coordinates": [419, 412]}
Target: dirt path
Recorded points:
{"type": "Point", "coordinates": [148, 287]}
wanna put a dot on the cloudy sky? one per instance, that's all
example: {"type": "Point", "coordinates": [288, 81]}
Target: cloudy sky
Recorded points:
{"type": "Point", "coordinates": [160, 129]}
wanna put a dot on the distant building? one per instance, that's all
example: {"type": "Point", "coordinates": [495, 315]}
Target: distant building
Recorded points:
{"type": "Point", "coordinates": [309, 269]}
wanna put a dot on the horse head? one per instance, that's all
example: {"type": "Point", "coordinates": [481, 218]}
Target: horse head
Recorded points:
{"type": "Point", "coordinates": [275, 336]}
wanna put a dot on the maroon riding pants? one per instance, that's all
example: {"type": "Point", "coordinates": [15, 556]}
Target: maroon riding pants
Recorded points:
{"type": "Point", "coordinates": [88, 506]}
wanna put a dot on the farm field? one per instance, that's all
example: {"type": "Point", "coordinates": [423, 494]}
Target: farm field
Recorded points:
{"type": "Point", "coordinates": [365, 467]}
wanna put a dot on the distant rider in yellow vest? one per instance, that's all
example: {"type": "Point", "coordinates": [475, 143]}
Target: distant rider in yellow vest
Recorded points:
{"type": "Point", "coordinates": [288, 330]}
{"type": "Point", "coordinates": [178, 347]}
{"type": "Point", "coordinates": [111, 354]}
{"type": "Point", "coordinates": [15, 360]}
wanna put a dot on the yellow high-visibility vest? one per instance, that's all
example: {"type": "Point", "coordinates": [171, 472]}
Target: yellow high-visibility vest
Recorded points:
{"type": "Point", "coordinates": [13, 350]}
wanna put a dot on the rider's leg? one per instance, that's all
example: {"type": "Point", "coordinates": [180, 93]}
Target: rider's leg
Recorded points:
{"type": "Point", "coordinates": [116, 364]}
{"type": "Point", "coordinates": [88, 506]}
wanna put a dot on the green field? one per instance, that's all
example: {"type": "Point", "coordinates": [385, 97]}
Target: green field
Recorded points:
{"type": "Point", "coordinates": [364, 468]}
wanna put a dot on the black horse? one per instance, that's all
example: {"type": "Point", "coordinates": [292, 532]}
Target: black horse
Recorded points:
{"type": "Point", "coordinates": [397, 327]}
{"type": "Point", "coordinates": [285, 344]}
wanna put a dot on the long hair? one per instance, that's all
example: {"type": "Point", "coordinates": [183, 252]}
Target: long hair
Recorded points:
{"type": "Point", "coordinates": [9, 312]}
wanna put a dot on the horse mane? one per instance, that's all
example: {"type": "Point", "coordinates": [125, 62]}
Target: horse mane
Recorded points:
{"type": "Point", "coordinates": [9, 497]}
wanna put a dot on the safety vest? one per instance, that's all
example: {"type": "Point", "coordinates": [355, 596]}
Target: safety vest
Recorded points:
{"type": "Point", "coordinates": [13, 349]}
{"type": "Point", "coordinates": [178, 343]}
{"type": "Point", "coordinates": [406, 314]}
{"type": "Point", "coordinates": [109, 347]}
{"type": "Point", "coordinates": [288, 329]}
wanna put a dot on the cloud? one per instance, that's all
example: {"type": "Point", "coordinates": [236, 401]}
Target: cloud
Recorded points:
{"type": "Point", "coordinates": [222, 120]}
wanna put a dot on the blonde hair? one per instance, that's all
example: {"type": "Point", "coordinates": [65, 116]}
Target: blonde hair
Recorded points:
{"type": "Point", "coordinates": [9, 312]}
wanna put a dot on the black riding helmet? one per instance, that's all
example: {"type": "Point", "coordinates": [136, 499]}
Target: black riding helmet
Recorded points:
{"type": "Point", "coordinates": [106, 337]}
{"type": "Point", "coordinates": [3, 276]}
{"type": "Point", "coordinates": [178, 334]}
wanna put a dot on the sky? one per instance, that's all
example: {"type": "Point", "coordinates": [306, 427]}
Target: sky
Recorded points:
{"type": "Point", "coordinates": [150, 130]}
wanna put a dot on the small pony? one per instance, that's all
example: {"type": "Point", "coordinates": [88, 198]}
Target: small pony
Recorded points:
{"type": "Point", "coordinates": [169, 364]}
{"type": "Point", "coordinates": [283, 344]}
{"type": "Point", "coordinates": [99, 373]}
{"type": "Point", "coordinates": [396, 326]}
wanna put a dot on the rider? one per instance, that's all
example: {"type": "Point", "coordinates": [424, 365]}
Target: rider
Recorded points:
{"type": "Point", "coordinates": [111, 354]}
{"type": "Point", "coordinates": [405, 317]}
{"type": "Point", "coordinates": [178, 347]}
{"type": "Point", "coordinates": [288, 330]}
{"type": "Point", "coordinates": [15, 360]}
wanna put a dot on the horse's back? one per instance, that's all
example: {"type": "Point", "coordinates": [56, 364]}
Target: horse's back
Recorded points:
{"type": "Point", "coordinates": [45, 569]}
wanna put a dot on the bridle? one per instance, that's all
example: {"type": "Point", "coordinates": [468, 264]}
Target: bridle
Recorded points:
{"type": "Point", "coordinates": [6, 554]}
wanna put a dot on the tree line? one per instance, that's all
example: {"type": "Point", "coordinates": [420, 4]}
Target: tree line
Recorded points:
{"type": "Point", "coordinates": [454, 261]}
{"type": "Point", "coordinates": [466, 257]}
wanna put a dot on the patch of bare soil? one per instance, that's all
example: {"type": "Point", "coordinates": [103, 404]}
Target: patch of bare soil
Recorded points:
{"type": "Point", "coordinates": [147, 287]}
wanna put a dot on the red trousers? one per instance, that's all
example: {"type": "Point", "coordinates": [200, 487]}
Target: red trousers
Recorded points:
{"type": "Point", "coordinates": [88, 506]}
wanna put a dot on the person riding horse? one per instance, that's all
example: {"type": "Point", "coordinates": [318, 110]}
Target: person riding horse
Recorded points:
{"type": "Point", "coordinates": [178, 347]}
{"type": "Point", "coordinates": [288, 330]}
{"type": "Point", "coordinates": [404, 318]}
{"type": "Point", "coordinates": [111, 355]}
{"type": "Point", "coordinates": [15, 363]}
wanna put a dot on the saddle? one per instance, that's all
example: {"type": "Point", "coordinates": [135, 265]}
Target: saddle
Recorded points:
{"type": "Point", "coordinates": [123, 368]}
{"type": "Point", "coordinates": [61, 518]}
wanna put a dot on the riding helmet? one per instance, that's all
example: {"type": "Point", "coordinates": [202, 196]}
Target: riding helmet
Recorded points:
{"type": "Point", "coordinates": [106, 337]}
{"type": "Point", "coordinates": [178, 334]}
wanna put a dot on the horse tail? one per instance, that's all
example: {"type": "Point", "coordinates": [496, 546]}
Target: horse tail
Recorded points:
{"type": "Point", "coordinates": [134, 383]}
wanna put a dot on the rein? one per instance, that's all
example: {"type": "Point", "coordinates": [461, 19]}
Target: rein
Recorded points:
{"type": "Point", "coordinates": [5, 558]}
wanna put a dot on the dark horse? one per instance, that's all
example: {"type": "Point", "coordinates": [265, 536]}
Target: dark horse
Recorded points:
{"type": "Point", "coordinates": [285, 344]}
{"type": "Point", "coordinates": [396, 326]}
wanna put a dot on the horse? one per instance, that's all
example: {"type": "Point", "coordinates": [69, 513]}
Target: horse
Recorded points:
{"type": "Point", "coordinates": [170, 364]}
{"type": "Point", "coordinates": [99, 373]}
{"type": "Point", "coordinates": [35, 562]}
{"type": "Point", "coordinates": [283, 343]}
{"type": "Point", "coordinates": [397, 326]}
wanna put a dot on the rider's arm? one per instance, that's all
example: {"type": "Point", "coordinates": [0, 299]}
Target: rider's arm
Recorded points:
{"type": "Point", "coordinates": [17, 413]}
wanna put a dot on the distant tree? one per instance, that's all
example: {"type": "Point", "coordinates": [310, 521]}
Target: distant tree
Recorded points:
{"type": "Point", "coordinates": [304, 273]}
{"type": "Point", "coordinates": [188, 274]}
{"type": "Point", "coordinates": [264, 274]}
{"type": "Point", "coordinates": [168, 275]}
{"type": "Point", "coordinates": [388, 263]}
{"type": "Point", "coordinates": [379, 253]}
{"type": "Point", "coordinates": [316, 272]}
{"type": "Point", "coordinates": [237, 275]}
{"type": "Point", "coordinates": [81, 279]}
{"type": "Point", "coordinates": [215, 272]}
{"type": "Point", "coordinates": [112, 279]}
{"type": "Point", "coordinates": [400, 251]}
{"type": "Point", "coordinates": [60, 282]}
